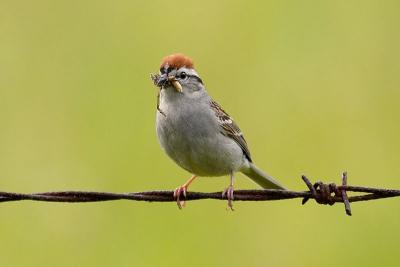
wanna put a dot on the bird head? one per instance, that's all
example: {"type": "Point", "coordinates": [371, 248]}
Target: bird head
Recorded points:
{"type": "Point", "coordinates": [177, 72]}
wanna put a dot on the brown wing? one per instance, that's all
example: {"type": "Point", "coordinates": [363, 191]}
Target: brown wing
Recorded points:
{"type": "Point", "coordinates": [229, 128]}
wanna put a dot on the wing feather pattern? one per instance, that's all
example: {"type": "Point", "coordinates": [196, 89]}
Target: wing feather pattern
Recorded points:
{"type": "Point", "coordinates": [230, 129]}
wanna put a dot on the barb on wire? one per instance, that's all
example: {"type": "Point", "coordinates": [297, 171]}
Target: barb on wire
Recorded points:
{"type": "Point", "coordinates": [322, 193]}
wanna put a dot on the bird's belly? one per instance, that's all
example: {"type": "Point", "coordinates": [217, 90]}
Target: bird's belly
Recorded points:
{"type": "Point", "coordinates": [195, 146]}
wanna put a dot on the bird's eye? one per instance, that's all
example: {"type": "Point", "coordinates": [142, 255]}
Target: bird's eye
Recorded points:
{"type": "Point", "coordinates": [183, 75]}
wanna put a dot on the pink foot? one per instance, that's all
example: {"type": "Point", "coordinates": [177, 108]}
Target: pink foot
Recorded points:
{"type": "Point", "coordinates": [228, 192]}
{"type": "Point", "coordinates": [177, 194]}
{"type": "Point", "coordinates": [182, 191]}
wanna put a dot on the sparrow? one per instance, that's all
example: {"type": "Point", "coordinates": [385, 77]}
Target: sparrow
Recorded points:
{"type": "Point", "coordinates": [197, 133]}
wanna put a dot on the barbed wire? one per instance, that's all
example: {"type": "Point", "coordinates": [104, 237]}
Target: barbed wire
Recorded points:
{"type": "Point", "coordinates": [326, 194]}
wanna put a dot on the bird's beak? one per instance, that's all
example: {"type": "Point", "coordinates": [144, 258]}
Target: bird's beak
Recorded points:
{"type": "Point", "coordinates": [162, 80]}
{"type": "Point", "coordinates": [175, 83]}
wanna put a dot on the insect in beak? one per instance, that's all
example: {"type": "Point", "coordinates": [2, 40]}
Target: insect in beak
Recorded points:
{"type": "Point", "coordinates": [175, 84]}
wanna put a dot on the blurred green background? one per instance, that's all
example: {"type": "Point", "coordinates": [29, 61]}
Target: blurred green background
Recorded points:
{"type": "Point", "coordinates": [314, 85]}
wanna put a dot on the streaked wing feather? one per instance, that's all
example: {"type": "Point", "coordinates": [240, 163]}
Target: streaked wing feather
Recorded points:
{"type": "Point", "coordinates": [230, 129]}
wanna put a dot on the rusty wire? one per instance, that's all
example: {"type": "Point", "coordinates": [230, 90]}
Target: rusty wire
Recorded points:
{"type": "Point", "coordinates": [322, 193]}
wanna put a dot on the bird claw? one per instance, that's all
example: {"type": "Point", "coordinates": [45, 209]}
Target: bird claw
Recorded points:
{"type": "Point", "coordinates": [177, 194]}
{"type": "Point", "coordinates": [182, 191]}
{"type": "Point", "coordinates": [228, 193]}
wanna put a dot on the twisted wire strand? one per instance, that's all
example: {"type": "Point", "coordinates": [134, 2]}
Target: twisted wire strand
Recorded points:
{"type": "Point", "coordinates": [322, 193]}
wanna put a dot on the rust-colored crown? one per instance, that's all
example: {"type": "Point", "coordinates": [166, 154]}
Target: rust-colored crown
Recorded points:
{"type": "Point", "coordinates": [177, 61]}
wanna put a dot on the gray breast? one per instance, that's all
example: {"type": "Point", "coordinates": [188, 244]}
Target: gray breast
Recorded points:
{"type": "Point", "coordinates": [189, 133]}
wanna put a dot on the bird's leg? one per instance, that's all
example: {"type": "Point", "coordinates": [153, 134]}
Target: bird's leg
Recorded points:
{"type": "Point", "coordinates": [228, 192]}
{"type": "Point", "coordinates": [182, 190]}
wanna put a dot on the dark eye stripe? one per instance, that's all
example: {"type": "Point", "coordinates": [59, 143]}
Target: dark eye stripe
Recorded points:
{"type": "Point", "coordinates": [164, 70]}
{"type": "Point", "coordinates": [197, 78]}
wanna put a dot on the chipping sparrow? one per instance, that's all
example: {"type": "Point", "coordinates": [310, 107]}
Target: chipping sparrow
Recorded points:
{"type": "Point", "coordinates": [197, 133]}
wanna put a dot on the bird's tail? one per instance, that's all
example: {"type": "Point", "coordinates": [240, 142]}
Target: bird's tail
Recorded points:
{"type": "Point", "coordinates": [261, 178]}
